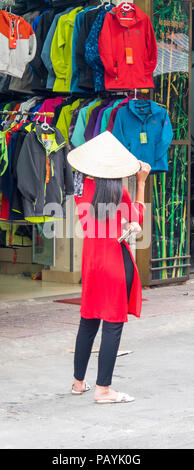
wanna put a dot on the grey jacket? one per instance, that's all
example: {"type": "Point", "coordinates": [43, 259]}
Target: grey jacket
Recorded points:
{"type": "Point", "coordinates": [43, 176]}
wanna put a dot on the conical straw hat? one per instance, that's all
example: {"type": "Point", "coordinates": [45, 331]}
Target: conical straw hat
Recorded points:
{"type": "Point", "coordinates": [104, 157]}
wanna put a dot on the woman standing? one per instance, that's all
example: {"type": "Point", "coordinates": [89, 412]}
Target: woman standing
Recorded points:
{"type": "Point", "coordinates": [111, 287]}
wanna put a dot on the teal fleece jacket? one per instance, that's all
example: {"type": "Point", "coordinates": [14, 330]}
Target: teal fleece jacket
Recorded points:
{"type": "Point", "coordinates": [145, 129]}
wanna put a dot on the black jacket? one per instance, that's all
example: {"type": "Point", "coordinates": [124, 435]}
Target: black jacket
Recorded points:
{"type": "Point", "coordinates": [85, 72]}
{"type": "Point", "coordinates": [39, 70]}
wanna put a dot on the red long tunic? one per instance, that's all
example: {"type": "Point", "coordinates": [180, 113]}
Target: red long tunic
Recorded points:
{"type": "Point", "coordinates": [104, 289]}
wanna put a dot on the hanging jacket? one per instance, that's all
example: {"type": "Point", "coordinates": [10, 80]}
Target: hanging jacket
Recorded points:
{"type": "Point", "coordinates": [46, 50]}
{"type": "Point", "coordinates": [24, 84]}
{"type": "Point", "coordinates": [49, 106]}
{"type": "Point", "coordinates": [144, 128]}
{"type": "Point", "coordinates": [61, 51]}
{"type": "Point", "coordinates": [13, 60]}
{"type": "Point", "coordinates": [106, 115]}
{"type": "Point", "coordinates": [74, 88]}
{"type": "Point", "coordinates": [128, 49]}
{"type": "Point", "coordinates": [89, 131]}
{"type": "Point", "coordinates": [3, 154]}
{"type": "Point", "coordinates": [16, 202]}
{"type": "Point", "coordinates": [42, 172]}
{"type": "Point", "coordinates": [92, 55]}
{"type": "Point", "coordinates": [39, 70]}
{"type": "Point", "coordinates": [85, 72]}
{"type": "Point", "coordinates": [64, 120]}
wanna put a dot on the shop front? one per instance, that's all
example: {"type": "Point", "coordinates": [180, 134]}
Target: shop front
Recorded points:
{"type": "Point", "coordinates": [52, 251]}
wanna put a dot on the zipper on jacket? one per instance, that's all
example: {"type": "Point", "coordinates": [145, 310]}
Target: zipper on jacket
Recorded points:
{"type": "Point", "coordinates": [48, 153]}
{"type": "Point", "coordinates": [145, 122]}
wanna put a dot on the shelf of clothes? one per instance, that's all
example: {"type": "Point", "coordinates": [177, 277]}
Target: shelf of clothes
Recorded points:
{"type": "Point", "coordinates": [15, 235]}
{"type": "Point", "coordinates": [139, 123]}
{"type": "Point", "coordinates": [77, 47]}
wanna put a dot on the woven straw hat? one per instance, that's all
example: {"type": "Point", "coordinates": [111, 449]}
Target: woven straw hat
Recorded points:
{"type": "Point", "coordinates": [104, 157]}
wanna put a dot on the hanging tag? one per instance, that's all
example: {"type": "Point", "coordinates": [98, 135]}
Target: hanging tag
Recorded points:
{"type": "Point", "coordinates": [129, 55]}
{"type": "Point", "coordinates": [143, 138]}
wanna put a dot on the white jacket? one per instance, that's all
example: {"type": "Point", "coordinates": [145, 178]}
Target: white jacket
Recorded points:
{"type": "Point", "coordinates": [13, 61]}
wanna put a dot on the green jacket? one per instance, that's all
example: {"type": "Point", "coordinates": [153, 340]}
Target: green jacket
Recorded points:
{"type": "Point", "coordinates": [3, 154]}
{"type": "Point", "coordinates": [65, 117]}
{"type": "Point", "coordinates": [61, 50]}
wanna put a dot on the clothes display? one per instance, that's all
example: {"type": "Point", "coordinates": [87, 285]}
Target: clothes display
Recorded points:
{"type": "Point", "coordinates": [140, 124]}
{"type": "Point", "coordinates": [78, 47]}
{"type": "Point", "coordinates": [37, 171]}
{"type": "Point", "coordinates": [94, 59]}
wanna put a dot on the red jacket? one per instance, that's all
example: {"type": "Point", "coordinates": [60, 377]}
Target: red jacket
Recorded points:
{"type": "Point", "coordinates": [104, 288]}
{"type": "Point", "coordinates": [135, 34]}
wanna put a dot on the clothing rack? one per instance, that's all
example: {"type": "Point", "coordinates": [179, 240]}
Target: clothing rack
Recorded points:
{"type": "Point", "coordinates": [26, 113]}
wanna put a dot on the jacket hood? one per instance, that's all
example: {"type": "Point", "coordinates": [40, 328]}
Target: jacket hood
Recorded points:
{"type": "Point", "coordinates": [117, 12]}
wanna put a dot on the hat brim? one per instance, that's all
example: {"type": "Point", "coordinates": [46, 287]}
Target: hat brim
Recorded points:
{"type": "Point", "coordinates": [104, 157]}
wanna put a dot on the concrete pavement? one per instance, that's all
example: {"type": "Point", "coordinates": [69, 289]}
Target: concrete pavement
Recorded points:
{"type": "Point", "coordinates": [36, 407]}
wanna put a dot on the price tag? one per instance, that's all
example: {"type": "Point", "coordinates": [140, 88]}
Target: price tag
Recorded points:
{"type": "Point", "coordinates": [143, 138]}
{"type": "Point", "coordinates": [129, 55]}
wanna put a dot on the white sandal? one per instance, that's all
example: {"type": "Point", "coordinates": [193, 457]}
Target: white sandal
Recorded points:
{"type": "Point", "coordinates": [87, 388]}
{"type": "Point", "coordinates": [121, 398]}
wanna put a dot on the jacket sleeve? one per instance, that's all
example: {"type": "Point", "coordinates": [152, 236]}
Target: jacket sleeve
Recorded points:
{"type": "Point", "coordinates": [57, 46]}
{"type": "Point", "coordinates": [28, 176]}
{"type": "Point", "coordinates": [3, 154]}
{"type": "Point", "coordinates": [46, 50]}
{"type": "Point", "coordinates": [165, 137]}
{"type": "Point", "coordinates": [131, 211]}
{"type": "Point", "coordinates": [80, 47]}
{"type": "Point", "coordinates": [105, 48]}
{"type": "Point", "coordinates": [151, 49]}
{"type": "Point", "coordinates": [37, 63]}
{"type": "Point", "coordinates": [118, 129]}
{"type": "Point", "coordinates": [32, 45]}
{"type": "Point", "coordinates": [68, 175]}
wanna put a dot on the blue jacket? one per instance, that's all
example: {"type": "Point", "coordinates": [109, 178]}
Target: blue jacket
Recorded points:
{"type": "Point", "coordinates": [46, 50]}
{"type": "Point", "coordinates": [145, 116]}
{"type": "Point", "coordinates": [92, 55]}
{"type": "Point", "coordinates": [75, 73]}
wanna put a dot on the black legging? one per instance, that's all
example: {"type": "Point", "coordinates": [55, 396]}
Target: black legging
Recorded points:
{"type": "Point", "coordinates": [111, 335]}
{"type": "Point", "coordinates": [110, 340]}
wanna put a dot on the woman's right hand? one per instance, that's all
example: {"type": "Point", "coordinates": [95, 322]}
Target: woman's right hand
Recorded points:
{"type": "Point", "coordinates": [143, 173]}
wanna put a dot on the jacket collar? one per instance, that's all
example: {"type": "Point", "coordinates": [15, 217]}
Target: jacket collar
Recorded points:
{"type": "Point", "coordinates": [135, 106]}
{"type": "Point", "coordinates": [139, 15]}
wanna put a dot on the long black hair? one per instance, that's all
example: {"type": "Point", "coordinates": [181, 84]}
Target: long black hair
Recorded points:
{"type": "Point", "coordinates": [107, 191]}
